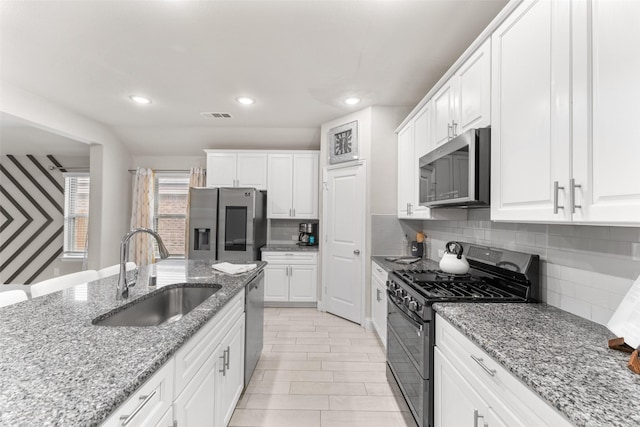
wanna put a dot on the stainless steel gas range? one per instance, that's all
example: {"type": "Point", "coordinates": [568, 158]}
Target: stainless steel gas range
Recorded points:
{"type": "Point", "coordinates": [496, 275]}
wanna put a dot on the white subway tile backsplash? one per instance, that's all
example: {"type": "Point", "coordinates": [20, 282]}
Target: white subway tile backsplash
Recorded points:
{"type": "Point", "coordinates": [575, 306]}
{"type": "Point", "coordinates": [601, 315]}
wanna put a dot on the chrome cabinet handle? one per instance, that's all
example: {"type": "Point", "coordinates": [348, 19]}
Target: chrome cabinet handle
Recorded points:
{"type": "Point", "coordinates": [126, 419]}
{"type": "Point", "coordinates": [409, 209]}
{"type": "Point", "coordinates": [227, 352]}
{"type": "Point", "coordinates": [480, 362]}
{"type": "Point", "coordinates": [476, 415]}
{"type": "Point", "coordinates": [449, 130]}
{"type": "Point", "coordinates": [378, 295]}
{"type": "Point", "coordinates": [379, 269]}
{"type": "Point", "coordinates": [572, 194]}
{"type": "Point", "coordinates": [224, 369]}
{"type": "Point", "coordinates": [294, 211]}
{"type": "Point", "coordinates": [556, 188]}
{"type": "Point", "coordinates": [454, 127]}
{"type": "Point", "coordinates": [357, 252]}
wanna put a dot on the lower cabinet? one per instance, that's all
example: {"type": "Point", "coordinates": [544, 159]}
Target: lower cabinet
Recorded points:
{"type": "Point", "coordinates": [379, 301]}
{"type": "Point", "coordinates": [470, 388]}
{"type": "Point", "coordinates": [290, 277]}
{"type": "Point", "coordinates": [200, 385]}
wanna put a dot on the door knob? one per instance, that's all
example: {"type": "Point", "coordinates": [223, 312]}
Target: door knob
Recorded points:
{"type": "Point", "coordinates": [357, 252]}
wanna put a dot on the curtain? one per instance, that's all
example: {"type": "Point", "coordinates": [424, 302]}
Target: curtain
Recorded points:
{"type": "Point", "coordinates": [197, 178]}
{"type": "Point", "coordinates": [141, 245]}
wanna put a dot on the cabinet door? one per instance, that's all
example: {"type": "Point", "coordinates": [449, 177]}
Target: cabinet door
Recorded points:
{"type": "Point", "coordinates": [606, 149]}
{"type": "Point", "coordinates": [305, 186]}
{"type": "Point", "coordinates": [379, 308]}
{"type": "Point", "coordinates": [422, 144]}
{"type": "Point", "coordinates": [406, 175]}
{"type": "Point", "coordinates": [530, 113]}
{"type": "Point", "coordinates": [231, 379]}
{"type": "Point", "coordinates": [302, 283]}
{"type": "Point", "coordinates": [252, 170]}
{"type": "Point", "coordinates": [280, 194]}
{"type": "Point", "coordinates": [455, 402]}
{"type": "Point", "coordinates": [167, 419]}
{"type": "Point", "coordinates": [221, 169]}
{"type": "Point", "coordinates": [443, 105]}
{"type": "Point", "coordinates": [196, 404]}
{"type": "Point", "coordinates": [276, 282]}
{"type": "Point", "coordinates": [473, 91]}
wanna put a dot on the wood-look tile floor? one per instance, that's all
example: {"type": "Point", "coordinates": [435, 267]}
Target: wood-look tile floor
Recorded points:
{"type": "Point", "coordinates": [318, 370]}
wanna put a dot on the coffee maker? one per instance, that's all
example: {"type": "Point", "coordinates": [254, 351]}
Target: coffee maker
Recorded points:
{"type": "Point", "coordinates": [308, 234]}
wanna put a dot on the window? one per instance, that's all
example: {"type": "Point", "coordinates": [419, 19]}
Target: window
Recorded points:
{"type": "Point", "coordinates": [76, 214]}
{"type": "Point", "coordinates": [170, 210]}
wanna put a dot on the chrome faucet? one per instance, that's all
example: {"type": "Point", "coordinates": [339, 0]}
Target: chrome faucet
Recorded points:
{"type": "Point", "coordinates": [122, 291]}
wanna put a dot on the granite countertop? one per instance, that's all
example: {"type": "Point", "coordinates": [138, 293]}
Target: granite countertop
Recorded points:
{"type": "Point", "coordinates": [562, 357]}
{"type": "Point", "coordinates": [425, 264]}
{"type": "Point", "coordinates": [57, 368]}
{"type": "Point", "coordinates": [288, 248]}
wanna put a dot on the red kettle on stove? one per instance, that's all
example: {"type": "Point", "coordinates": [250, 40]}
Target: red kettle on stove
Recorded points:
{"type": "Point", "coordinates": [453, 262]}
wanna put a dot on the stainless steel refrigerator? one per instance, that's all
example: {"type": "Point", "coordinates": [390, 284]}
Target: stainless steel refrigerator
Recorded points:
{"type": "Point", "coordinates": [227, 224]}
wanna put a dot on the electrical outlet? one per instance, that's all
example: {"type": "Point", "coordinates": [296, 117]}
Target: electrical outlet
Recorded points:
{"type": "Point", "coordinates": [440, 253]}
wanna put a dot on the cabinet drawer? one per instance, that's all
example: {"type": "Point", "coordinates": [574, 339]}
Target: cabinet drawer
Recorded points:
{"type": "Point", "coordinates": [290, 257]}
{"type": "Point", "coordinates": [148, 405]}
{"type": "Point", "coordinates": [485, 373]}
{"type": "Point", "coordinates": [193, 354]}
{"type": "Point", "coordinates": [378, 272]}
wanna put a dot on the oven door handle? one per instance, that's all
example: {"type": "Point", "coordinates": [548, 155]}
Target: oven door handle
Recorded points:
{"type": "Point", "coordinates": [417, 325]}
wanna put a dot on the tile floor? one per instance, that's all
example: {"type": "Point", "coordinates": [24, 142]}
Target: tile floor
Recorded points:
{"type": "Point", "coordinates": [318, 370]}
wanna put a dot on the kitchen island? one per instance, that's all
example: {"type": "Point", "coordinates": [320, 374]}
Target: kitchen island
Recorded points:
{"type": "Point", "coordinates": [57, 368]}
{"type": "Point", "coordinates": [561, 357]}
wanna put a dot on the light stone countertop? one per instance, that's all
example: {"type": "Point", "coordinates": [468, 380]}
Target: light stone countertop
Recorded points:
{"type": "Point", "coordinates": [561, 357]}
{"type": "Point", "coordinates": [288, 248]}
{"type": "Point", "coordinates": [389, 266]}
{"type": "Point", "coordinates": [58, 369]}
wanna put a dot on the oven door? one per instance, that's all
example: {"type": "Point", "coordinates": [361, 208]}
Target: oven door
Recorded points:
{"type": "Point", "coordinates": [413, 334]}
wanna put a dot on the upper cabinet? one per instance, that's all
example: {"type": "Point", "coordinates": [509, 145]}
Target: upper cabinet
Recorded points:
{"type": "Point", "coordinates": [293, 185]}
{"type": "Point", "coordinates": [530, 103]}
{"type": "Point", "coordinates": [605, 185]}
{"type": "Point", "coordinates": [237, 169]}
{"type": "Point", "coordinates": [563, 102]}
{"type": "Point", "coordinates": [464, 101]}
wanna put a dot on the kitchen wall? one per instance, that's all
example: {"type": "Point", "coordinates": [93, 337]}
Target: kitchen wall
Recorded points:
{"type": "Point", "coordinates": [586, 270]}
{"type": "Point", "coordinates": [33, 210]}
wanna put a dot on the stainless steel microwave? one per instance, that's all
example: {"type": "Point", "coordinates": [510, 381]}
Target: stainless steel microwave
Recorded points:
{"type": "Point", "coordinates": [458, 172]}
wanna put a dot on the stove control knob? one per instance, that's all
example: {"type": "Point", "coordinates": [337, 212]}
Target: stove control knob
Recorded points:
{"type": "Point", "coordinates": [407, 300]}
{"type": "Point", "coordinates": [399, 292]}
{"type": "Point", "coordinates": [413, 305]}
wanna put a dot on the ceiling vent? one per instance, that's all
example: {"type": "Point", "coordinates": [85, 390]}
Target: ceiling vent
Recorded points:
{"type": "Point", "coordinates": [217, 115]}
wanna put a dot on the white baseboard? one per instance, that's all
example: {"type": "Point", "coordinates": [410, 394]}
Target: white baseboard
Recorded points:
{"type": "Point", "coordinates": [368, 324]}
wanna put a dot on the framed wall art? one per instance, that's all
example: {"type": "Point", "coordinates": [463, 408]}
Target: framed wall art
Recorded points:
{"type": "Point", "coordinates": [343, 143]}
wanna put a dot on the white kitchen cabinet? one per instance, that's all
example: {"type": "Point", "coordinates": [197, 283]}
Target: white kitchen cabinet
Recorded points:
{"type": "Point", "coordinates": [469, 384]}
{"type": "Point", "coordinates": [464, 101]}
{"type": "Point", "coordinates": [149, 404]}
{"type": "Point", "coordinates": [406, 174]}
{"type": "Point", "coordinates": [167, 419]}
{"type": "Point", "coordinates": [606, 88]}
{"type": "Point", "coordinates": [196, 404]}
{"type": "Point", "coordinates": [379, 301]}
{"type": "Point", "coordinates": [290, 277]}
{"type": "Point", "coordinates": [530, 135]}
{"type": "Point", "coordinates": [230, 381]}
{"type": "Point", "coordinates": [292, 185]}
{"type": "Point", "coordinates": [227, 168]}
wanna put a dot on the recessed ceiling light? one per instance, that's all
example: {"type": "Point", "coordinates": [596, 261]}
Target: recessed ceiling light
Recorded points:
{"type": "Point", "coordinates": [245, 100]}
{"type": "Point", "coordinates": [140, 99]}
{"type": "Point", "coordinates": [352, 101]}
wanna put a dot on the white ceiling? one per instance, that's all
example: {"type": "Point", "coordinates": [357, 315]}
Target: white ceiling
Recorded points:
{"type": "Point", "coordinates": [298, 58]}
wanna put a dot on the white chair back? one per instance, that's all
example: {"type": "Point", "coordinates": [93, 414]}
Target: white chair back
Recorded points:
{"type": "Point", "coordinates": [115, 269]}
{"type": "Point", "coordinates": [62, 282]}
{"type": "Point", "coordinates": [12, 297]}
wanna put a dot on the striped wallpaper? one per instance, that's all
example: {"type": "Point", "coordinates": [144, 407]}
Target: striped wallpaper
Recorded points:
{"type": "Point", "coordinates": [31, 216]}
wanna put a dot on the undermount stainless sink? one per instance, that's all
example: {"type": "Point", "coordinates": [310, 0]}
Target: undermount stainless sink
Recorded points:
{"type": "Point", "coordinates": [168, 305]}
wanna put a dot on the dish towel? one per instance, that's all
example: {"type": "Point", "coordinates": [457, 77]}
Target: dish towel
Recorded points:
{"type": "Point", "coordinates": [227, 267]}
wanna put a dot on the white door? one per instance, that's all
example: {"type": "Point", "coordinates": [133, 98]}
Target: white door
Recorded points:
{"type": "Point", "coordinates": [252, 170]}
{"type": "Point", "coordinates": [606, 146]}
{"type": "Point", "coordinates": [279, 197]}
{"type": "Point", "coordinates": [530, 132]}
{"type": "Point", "coordinates": [343, 254]}
{"type": "Point", "coordinates": [305, 186]}
{"type": "Point", "coordinates": [221, 169]}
